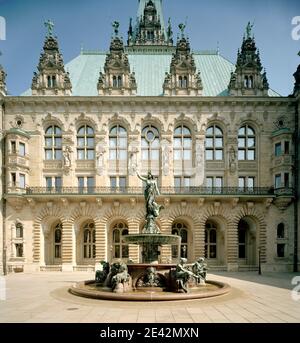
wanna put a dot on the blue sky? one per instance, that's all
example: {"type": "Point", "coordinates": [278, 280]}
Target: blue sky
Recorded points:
{"type": "Point", "coordinates": [88, 23]}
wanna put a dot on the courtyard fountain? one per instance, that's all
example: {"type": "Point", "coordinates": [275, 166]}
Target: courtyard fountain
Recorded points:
{"type": "Point", "coordinates": [151, 280]}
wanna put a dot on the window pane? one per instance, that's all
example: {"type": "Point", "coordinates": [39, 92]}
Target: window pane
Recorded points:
{"type": "Point", "coordinates": [213, 236]}
{"type": "Point", "coordinates": [117, 251]}
{"type": "Point", "coordinates": [219, 182]}
{"type": "Point", "coordinates": [241, 182]}
{"type": "Point", "coordinates": [178, 131]}
{"type": "Point", "coordinates": [280, 250]}
{"type": "Point", "coordinates": [251, 142]}
{"type": "Point", "coordinates": [242, 142]}
{"type": "Point", "coordinates": [22, 181]}
{"type": "Point", "coordinates": [242, 131]}
{"type": "Point", "coordinates": [177, 142]}
{"type": "Point", "coordinates": [57, 154]}
{"type": "Point", "coordinates": [187, 142]}
{"type": "Point", "coordinates": [90, 154]}
{"type": "Point", "coordinates": [209, 131]}
{"type": "Point", "coordinates": [251, 155]}
{"type": "Point", "coordinates": [186, 131]}
{"type": "Point", "coordinates": [89, 130]}
{"type": "Point", "coordinates": [122, 182]}
{"type": "Point", "coordinates": [22, 149]}
{"type": "Point", "coordinates": [187, 181]}
{"type": "Point", "coordinates": [49, 130]}
{"type": "Point", "coordinates": [122, 142]}
{"type": "Point", "coordinates": [241, 155]}
{"type": "Point", "coordinates": [80, 142]}
{"type": "Point", "coordinates": [219, 142]}
{"type": "Point", "coordinates": [123, 155]}
{"type": "Point", "coordinates": [242, 251]}
{"type": "Point", "coordinates": [113, 182]}
{"type": "Point", "coordinates": [112, 154]}
{"type": "Point", "coordinates": [177, 182]}
{"type": "Point", "coordinates": [48, 154]}
{"type": "Point", "coordinates": [209, 155]}
{"type": "Point", "coordinates": [219, 155]}
{"type": "Point", "coordinates": [81, 182]}
{"type": "Point", "coordinates": [57, 142]}
{"type": "Point", "coordinates": [90, 142]}
{"type": "Point", "coordinates": [209, 182]}
{"type": "Point", "coordinates": [57, 130]}
{"type": "Point", "coordinates": [48, 142]}
{"type": "Point", "coordinates": [80, 154]}
{"type": "Point", "coordinates": [145, 155]}
{"type": "Point", "coordinates": [277, 181]}
{"type": "Point", "coordinates": [212, 251]}
{"type": "Point", "coordinates": [90, 182]}
{"type": "Point", "coordinates": [144, 143]}
{"type": "Point", "coordinates": [250, 131]}
{"type": "Point", "coordinates": [209, 142]}
{"type": "Point", "coordinates": [155, 155]}
{"type": "Point", "coordinates": [113, 131]}
{"type": "Point", "coordinates": [250, 182]}
{"type": "Point", "coordinates": [125, 251]}
{"type": "Point", "coordinates": [187, 155]}
{"type": "Point", "coordinates": [177, 155]}
{"type": "Point", "coordinates": [49, 182]}
{"type": "Point", "coordinates": [155, 143]}
{"type": "Point", "coordinates": [278, 149]}
{"type": "Point", "coordinates": [218, 131]}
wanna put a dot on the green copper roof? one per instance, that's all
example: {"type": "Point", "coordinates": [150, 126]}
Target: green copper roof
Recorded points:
{"type": "Point", "coordinates": [150, 69]}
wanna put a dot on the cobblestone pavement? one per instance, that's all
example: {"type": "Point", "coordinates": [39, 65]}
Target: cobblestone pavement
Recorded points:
{"type": "Point", "coordinates": [44, 297]}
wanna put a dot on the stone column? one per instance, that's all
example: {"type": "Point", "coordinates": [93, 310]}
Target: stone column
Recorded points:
{"type": "Point", "coordinates": [67, 247]}
{"type": "Point", "coordinates": [232, 247]}
{"type": "Point", "coordinates": [38, 242]}
{"type": "Point", "coordinates": [101, 242]}
{"type": "Point", "coordinates": [198, 241]}
{"type": "Point", "coordinates": [134, 250]}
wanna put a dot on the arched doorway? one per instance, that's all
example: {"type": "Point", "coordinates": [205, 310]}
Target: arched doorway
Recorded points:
{"type": "Point", "coordinates": [214, 243]}
{"type": "Point", "coordinates": [86, 244]}
{"type": "Point", "coordinates": [53, 244]}
{"type": "Point", "coordinates": [247, 249]}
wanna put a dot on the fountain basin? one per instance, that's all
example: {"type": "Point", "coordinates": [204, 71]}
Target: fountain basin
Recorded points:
{"type": "Point", "coordinates": [89, 289]}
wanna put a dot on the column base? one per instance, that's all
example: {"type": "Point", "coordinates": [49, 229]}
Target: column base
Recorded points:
{"type": "Point", "coordinates": [67, 267]}
{"type": "Point", "coordinates": [232, 267]}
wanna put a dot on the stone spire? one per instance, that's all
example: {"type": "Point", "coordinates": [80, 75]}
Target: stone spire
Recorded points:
{"type": "Point", "coordinates": [248, 78]}
{"type": "Point", "coordinates": [3, 90]}
{"type": "Point", "coordinates": [150, 27]}
{"type": "Point", "coordinates": [117, 78]}
{"type": "Point", "coordinates": [51, 77]}
{"type": "Point", "coordinates": [183, 78]}
{"type": "Point", "coordinates": [297, 80]}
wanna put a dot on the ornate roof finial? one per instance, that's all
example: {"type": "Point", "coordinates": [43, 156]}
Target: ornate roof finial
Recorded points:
{"type": "Point", "coordinates": [49, 26]}
{"type": "Point", "coordinates": [116, 26]}
{"type": "Point", "coordinates": [249, 28]}
{"type": "Point", "coordinates": [182, 28]}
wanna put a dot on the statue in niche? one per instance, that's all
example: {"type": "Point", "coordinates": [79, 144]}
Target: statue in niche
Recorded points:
{"type": "Point", "coordinates": [133, 150]}
{"type": "Point", "coordinates": [67, 157]}
{"type": "Point", "coordinates": [232, 160]}
{"type": "Point", "coordinates": [165, 157]}
{"type": "Point", "coordinates": [100, 158]}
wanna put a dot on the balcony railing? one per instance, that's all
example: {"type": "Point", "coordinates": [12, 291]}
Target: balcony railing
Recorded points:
{"type": "Point", "coordinates": [200, 191]}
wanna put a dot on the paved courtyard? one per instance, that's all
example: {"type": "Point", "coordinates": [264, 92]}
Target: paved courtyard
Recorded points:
{"type": "Point", "coordinates": [44, 297]}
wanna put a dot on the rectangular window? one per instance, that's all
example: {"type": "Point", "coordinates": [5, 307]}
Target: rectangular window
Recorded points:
{"type": "Point", "coordinates": [286, 180]}
{"type": "Point", "coordinates": [113, 182]}
{"type": "Point", "coordinates": [250, 183]}
{"type": "Point", "coordinates": [241, 155]}
{"type": "Point", "coordinates": [90, 184]}
{"type": "Point", "coordinates": [277, 149]}
{"type": "Point", "coordinates": [58, 184]}
{"type": "Point", "coordinates": [209, 182]}
{"type": "Point", "coordinates": [19, 250]}
{"type": "Point", "coordinates": [22, 149]}
{"type": "Point", "coordinates": [287, 148]}
{"type": "Point", "coordinates": [13, 179]}
{"type": "Point", "coordinates": [80, 184]}
{"type": "Point", "coordinates": [122, 183]}
{"type": "Point", "coordinates": [49, 183]}
{"type": "Point", "coordinates": [177, 182]}
{"type": "Point", "coordinates": [242, 182]}
{"type": "Point", "coordinates": [277, 181]}
{"type": "Point", "coordinates": [215, 183]}
{"type": "Point", "coordinates": [280, 250]}
{"type": "Point", "coordinates": [186, 182]}
{"type": "Point", "coordinates": [13, 147]}
{"type": "Point", "coordinates": [22, 181]}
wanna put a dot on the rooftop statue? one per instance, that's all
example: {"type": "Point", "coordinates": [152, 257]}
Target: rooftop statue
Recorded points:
{"type": "Point", "coordinates": [249, 28]}
{"type": "Point", "coordinates": [49, 26]}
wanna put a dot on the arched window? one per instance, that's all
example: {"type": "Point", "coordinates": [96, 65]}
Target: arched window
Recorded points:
{"type": "Point", "coordinates": [210, 241]}
{"type": "Point", "coordinates": [246, 82]}
{"type": "Point", "coordinates": [115, 84]}
{"type": "Point", "coordinates": [181, 230]}
{"type": "Point", "coordinates": [19, 230]}
{"type": "Point", "coordinates": [57, 241]}
{"type": "Point", "coordinates": [182, 143]}
{"type": "Point", "coordinates": [89, 241]}
{"type": "Point", "coordinates": [120, 81]}
{"type": "Point", "coordinates": [246, 143]}
{"type": "Point", "coordinates": [85, 143]}
{"type": "Point", "coordinates": [185, 82]}
{"type": "Point", "coordinates": [214, 143]}
{"type": "Point", "coordinates": [120, 248]}
{"type": "Point", "coordinates": [150, 144]}
{"type": "Point", "coordinates": [280, 230]}
{"type": "Point", "coordinates": [250, 81]}
{"type": "Point", "coordinates": [117, 143]}
{"type": "Point", "coordinates": [53, 143]}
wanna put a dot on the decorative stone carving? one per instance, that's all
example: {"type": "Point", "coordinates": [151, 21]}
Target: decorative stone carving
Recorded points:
{"type": "Point", "coordinates": [232, 160]}
{"type": "Point", "coordinates": [67, 159]}
{"type": "Point", "coordinates": [166, 152]}
{"type": "Point", "coordinates": [102, 273]}
{"type": "Point", "coordinates": [3, 75]}
{"type": "Point", "coordinates": [181, 276]}
{"type": "Point", "coordinates": [119, 279]}
{"type": "Point", "coordinates": [133, 161]}
{"type": "Point", "coordinates": [199, 268]}
{"type": "Point", "coordinates": [150, 279]}
{"type": "Point", "coordinates": [100, 165]}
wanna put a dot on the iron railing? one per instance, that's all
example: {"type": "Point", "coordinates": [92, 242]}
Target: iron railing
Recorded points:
{"type": "Point", "coordinates": [233, 191]}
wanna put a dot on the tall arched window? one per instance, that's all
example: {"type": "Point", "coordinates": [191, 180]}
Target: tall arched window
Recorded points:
{"type": "Point", "coordinates": [150, 144]}
{"type": "Point", "coordinates": [89, 241]}
{"type": "Point", "coordinates": [120, 248]}
{"type": "Point", "coordinates": [53, 143]}
{"type": "Point", "coordinates": [182, 143]}
{"type": "Point", "coordinates": [117, 143]}
{"type": "Point", "coordinates": [85, 143]}
{"type": "Point", "coordinates": [57, 241]}
{"type": "Point", "coordinates": [246, 143]}
{"type": "Point", "coordinates": [19, 230]}
{"type": "Point", "coordinates": [210, 241]}
{"type": "Point", "coordinates": [180, 229]}
{"type": "Point", "coordinates": [243, 229]}
{"type": "Point", "coordinates": [214, 143]}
